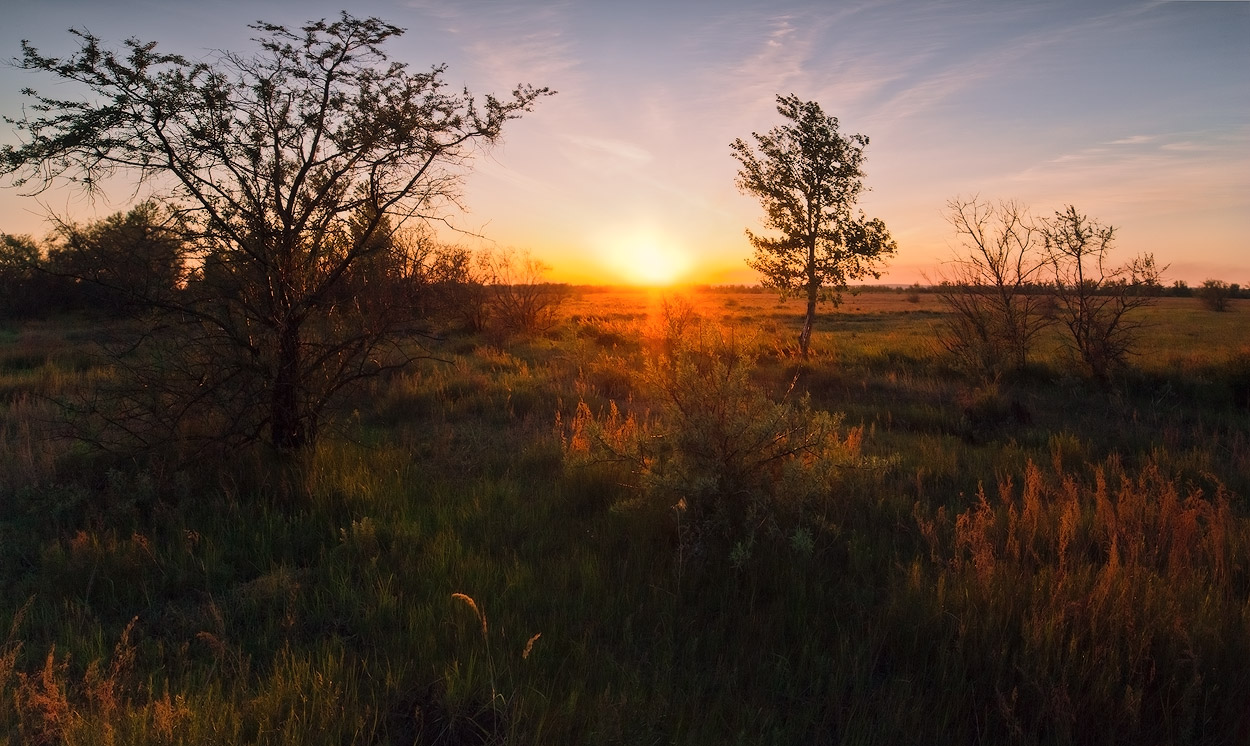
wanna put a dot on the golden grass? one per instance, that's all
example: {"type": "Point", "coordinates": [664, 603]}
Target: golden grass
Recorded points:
{"type": "Point", "coordinates": [962, 575]}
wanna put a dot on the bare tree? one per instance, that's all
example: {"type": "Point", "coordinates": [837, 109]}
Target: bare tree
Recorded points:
{"type": "Point", "coordinates": [993, 285]}
{"type": "Point", "coordinates": [292, 167]}
{"type": "Point", "coordinates": [520, 300]}
{"type": "Point", "coordinates": [808, 176]}
{"type": "Point", "coordinates": [1096, 300]}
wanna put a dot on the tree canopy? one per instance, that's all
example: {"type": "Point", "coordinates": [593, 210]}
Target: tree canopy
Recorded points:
{"type": "Point", "coordinates": [289, 167]}
{"type": "Point", "coordinates": [808, 176]}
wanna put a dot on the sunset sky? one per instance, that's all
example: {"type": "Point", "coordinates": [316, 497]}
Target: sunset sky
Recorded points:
{"type": "Point", "coordinates": [1136, 112]}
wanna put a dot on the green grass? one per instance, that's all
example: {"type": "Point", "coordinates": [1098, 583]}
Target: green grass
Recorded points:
{"type": "Point", "coordinates": [1031, 561]}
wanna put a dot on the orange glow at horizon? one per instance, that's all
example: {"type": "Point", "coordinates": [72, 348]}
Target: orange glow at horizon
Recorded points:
{"type": "Point", "coordinates": [641, 257]}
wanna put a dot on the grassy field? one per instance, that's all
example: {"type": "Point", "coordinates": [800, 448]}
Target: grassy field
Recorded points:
{"type": "Point", "coordinates": [653, 525]}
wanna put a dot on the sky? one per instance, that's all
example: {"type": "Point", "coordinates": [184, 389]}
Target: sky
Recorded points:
{"type": "Point", "coordinates": [1137, 112]}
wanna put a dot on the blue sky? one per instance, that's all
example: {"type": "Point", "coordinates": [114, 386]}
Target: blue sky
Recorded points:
{"type": "Point", "coordinates": [1136, 112]}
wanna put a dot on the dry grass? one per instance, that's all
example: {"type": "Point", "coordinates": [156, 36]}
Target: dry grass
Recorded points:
{"type": "Point", "coordinates": [1020, 561]}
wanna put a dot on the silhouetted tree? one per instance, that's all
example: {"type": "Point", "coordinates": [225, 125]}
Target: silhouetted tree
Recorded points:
{"type": "Point", "coordinates": [519, 299]}
{"type": "Point", "coordinates": [289, 166]}
{"type": "Point", "coordinates": [1215, 294]}
{"type": "Point", "coordinates": [808, 176]}
{"type": "Point", "coordinates": [21, 292]}
{"type": "Point", "coordinates": [990, 286]}
{"type": "Point", "coordinates": [1096, 299]}
{"type": "Point", "coordinates": [122, 264]}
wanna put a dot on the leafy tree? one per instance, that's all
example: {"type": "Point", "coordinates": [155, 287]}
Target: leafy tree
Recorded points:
{"type": "Point", "coordinates": [991, 285]}
{"type": "Point", "coordinates": [20, 258]}
{"type": "Point", "coordinates": [1095, 299]}
{"type": "Point", "coordinates": [122, 263]}
{"type": "Point", "coordinates": [808, 176]}
{"type": "Point", "coordinates": [290, 165]}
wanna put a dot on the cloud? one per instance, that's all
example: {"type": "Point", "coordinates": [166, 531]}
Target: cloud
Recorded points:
{"type": "Point", "coordinates": [508, 42]}
{"type": "Point", "coordinates": [1167, 171]}
{"type": "Point", "coordinates": [604, 154]}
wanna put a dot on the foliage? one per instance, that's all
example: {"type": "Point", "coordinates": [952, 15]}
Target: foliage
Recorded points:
{"type": "Point", "coordinates": [1215, 294]}
{"type": "Point", "coordinates": [1095, 590]}
{"type": "Point", "coordinates": [992, 286]}
{"type": "Point", "coordinates": [1096, 301]}
{"type": "Point", "coordinates": [735, 465]}
{"type": "Point", "coordinates": [808, 176]}
{"type": "Point", "coordinates": [122, 264]}
{"type": "Point", "coordinates": [291, 167]}
{"type": "Point", "coordinates": [1092, 589]}
{"type": "Point", "coordinates": [20, 259]}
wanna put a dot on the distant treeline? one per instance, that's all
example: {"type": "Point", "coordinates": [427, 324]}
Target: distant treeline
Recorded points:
{"type": "Point", "coordinates": [1178, 289]}
{"type": "Point", "coordinates": [144, 260]}
{"type": "Point", "coordinates": [117, 265]}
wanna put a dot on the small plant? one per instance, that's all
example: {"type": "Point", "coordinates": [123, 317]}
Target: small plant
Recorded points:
{"type": "Point", "coordinates": [481, 617]}
{"type": "Point", "coordinates": [493, 715]}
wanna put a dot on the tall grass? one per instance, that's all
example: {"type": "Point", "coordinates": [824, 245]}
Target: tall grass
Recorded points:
{"type": "Point", "coordinates": [953, 571]}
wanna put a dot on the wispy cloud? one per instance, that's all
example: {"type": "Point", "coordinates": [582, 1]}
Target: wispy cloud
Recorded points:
{"type": "Point", "coordinates": [604, 154]}
{"type": "Point", "coordinates": [1169, 171]}
{"type": "Point", "coordinates": [507, 42]}
{"type": "Point", "coordinates": [954, 48]}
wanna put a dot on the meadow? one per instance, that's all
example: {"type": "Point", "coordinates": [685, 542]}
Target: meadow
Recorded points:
{"type": "Point", "coordinates": [653, 524]}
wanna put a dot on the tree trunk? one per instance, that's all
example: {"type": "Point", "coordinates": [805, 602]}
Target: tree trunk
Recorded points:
{"type": "Point", "coordinates": [813, 292]}
{"type": "Point", "coordinates": [805, 337]}
{"type": "Point", "coordinates": [287, 430]}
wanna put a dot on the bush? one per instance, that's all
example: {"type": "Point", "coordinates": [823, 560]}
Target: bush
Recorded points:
{"type": "Point", "coordinates": [734, 465]}
{"type": "Point", "coordinates": [1215, 294]}
{"type": "Point", "coordinates": [1095, 302]}
{"type": "Point", "coordinates": [519, 299]}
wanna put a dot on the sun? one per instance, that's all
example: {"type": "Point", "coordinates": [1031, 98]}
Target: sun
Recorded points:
{"type": "Point", "coordinates": [652, 264]}
{"type": "Point", "coordinates": [645, 259]}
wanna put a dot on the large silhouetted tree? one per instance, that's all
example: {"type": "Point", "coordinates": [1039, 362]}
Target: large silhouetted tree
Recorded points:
{"type": "Point", "coordinates": [808, 176]}
{"type": "Point", "coordinates": [291, 166]}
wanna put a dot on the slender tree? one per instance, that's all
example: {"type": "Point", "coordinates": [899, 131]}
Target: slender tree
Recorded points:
{"type": "Point", "coordinates": [807, 176]}
{"type": "Point", "coordinates": [290, 166]}
{"type": "Point", "coordinates": [1096, 299]}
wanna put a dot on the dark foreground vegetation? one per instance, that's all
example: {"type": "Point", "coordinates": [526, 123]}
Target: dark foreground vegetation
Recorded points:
{"type": "Point", "coordinates": [651, 524]}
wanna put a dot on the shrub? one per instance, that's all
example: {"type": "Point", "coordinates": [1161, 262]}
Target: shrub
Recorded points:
{"type": "Point", "coordinates": [520, 300]}
{"type": "Point", "coordinates": [1215, 294]}
{"type": "Point", "coordinates": [734, 465]}
{"type": "Point", "coordinates": [1096, 303]}
{"type": "Point", "coordinates": [989, 287]}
